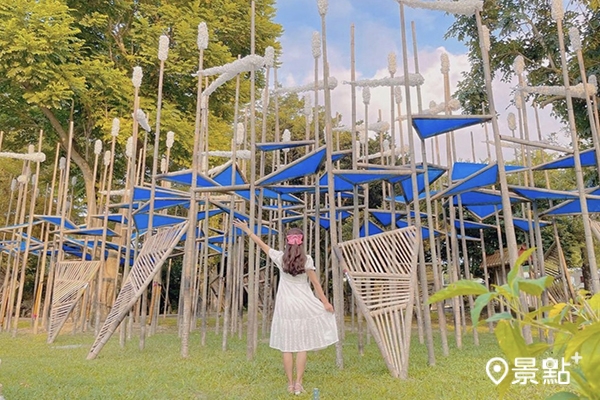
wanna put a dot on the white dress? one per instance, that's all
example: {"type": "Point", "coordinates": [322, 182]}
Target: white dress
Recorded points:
{"type": "Point", "coordinates": [300, 321]}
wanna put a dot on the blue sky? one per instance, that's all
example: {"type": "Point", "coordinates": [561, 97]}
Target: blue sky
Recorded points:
{"type": "Point", "coordinates": [377, 33]}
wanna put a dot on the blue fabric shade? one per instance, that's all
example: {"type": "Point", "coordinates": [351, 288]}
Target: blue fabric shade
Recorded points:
{"type": "Point", "coordinates": [305, 166]}
{"type": "Point", "coordinates": [56, 220]}
{"type": "Point", "coordinates": [185, 178]}
{"type": "Point", "coordinates": [283, 145]}
{"type": "Point", "coordinates": [482, 211]}
{"type": "Point", "coordinates": [484, 197]}
{"type": "Point", "coordinates": [433, 174]}
{"type": "Point", "coordinates": [141, 221]}
{"type": "Point", "coordinates": [144, 194]}
{"type": "Point", "coordinates": [473, 225]}
{"type": "Point", "coordinates": [223, 178]}
{"type": "Point", "coordinates": [161, 204]}
{"type": "Point", "coordinates": [91, 232]}
{"type": "Point", "coordinates": [587, 158]}
{"type": "Point", "coordinates": [534, 194]}
{"type": "Point", "coordinates": [372, 228]}
{"type": "Point", "coordinates": [268, 194]}
{"type": "Point", "coordinates": [432, 125]}
{"type": "Point", "coordinates": [339, 184]}
{"type": "Point", "coordinates": [523, 224]}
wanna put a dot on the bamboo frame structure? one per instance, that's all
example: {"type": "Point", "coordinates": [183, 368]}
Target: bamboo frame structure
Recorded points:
{"type": "Point", "coordinates": [381, 271]}
{"type": "Point", "coordinates": [72, 279]}
{"type": "Point", "coordinates": [152, 255]}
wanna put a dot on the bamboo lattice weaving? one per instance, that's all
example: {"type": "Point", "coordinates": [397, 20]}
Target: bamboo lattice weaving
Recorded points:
{"type": "Point", "coordinates": [381, 272]}
{"type": "Point", "coordinates": [153, 254]}
{"type": "Point", "coordinates": [72, 278]}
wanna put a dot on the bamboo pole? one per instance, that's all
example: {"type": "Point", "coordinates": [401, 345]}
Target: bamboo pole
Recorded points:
{"type": "Point", "coordinates": [5, 285]}
{"type": "Point", "coordinates": [190, 244]}
{"type": "Point", "coordinates": [416, 205]}
{"type": "Point", "coordinates": [163, 52]}
{"type": "Point", "coordinates": [558, 17]}
{"type": "Point", "coordinates": [32, 202]}
{"type": "Point", "coordinates": [38, 295]}
{"type": "Point", "coordinates": [336, 273]}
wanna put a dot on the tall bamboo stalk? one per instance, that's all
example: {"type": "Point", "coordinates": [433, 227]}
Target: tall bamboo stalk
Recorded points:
{"type": "Point", "coordinates": [416, 205]}
{"type": "Point", "coordinates": [338, 299]}
{"type": "Point", "coordinates": [190, 244]}
{"type": "Point", "coordinates": [557, 14]}
{"type": "Point", "coordinates": [25, 258]}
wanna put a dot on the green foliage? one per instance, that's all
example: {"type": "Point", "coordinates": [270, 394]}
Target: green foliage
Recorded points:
{"type": "Point", "coordinates": [63, 58]}
{"type": "Point", "coordinates": [574, 326]}
{"type": "Point", "coordinates": [526, 28]}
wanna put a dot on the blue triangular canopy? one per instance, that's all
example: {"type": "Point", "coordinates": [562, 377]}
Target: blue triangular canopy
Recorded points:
{"type": "Point", "coordinates": [472, 225]}
{"type": "Point", "coordinates": [223, 178]}
{"type": "Point", "coordinates": [366, 176]}
{"type": "Point", "coordinates": [324, 219]}
{"type": "Point", "coordinates": [161, 204]}
{"type": "Point", "coordinates": [424, 230]}
{"type": "Point", "coordinates": [432, 125]}
{"type": "Point", "coordinates": [373, 229]}
{"type": "Point", "coordinates": [483, 197]}
{"type": "Point", "coordinates": [144, 194]}
{"type": "Point", "coordinates": [482, 211]}
{"type": "Point", "coordinates": [574, 207]}
{"type": "Point", "coordinates": [118, 218]}
{"type": "Point", "coordinates": [433, 174]}
{"type": "Point", "coordinates": [339, 184]}
{"type": "Point", "coordinates": [307, 165]}
{"type": "Point", "coordinates": [56, 220]}
{"type": "Point", "coordinates": [480, 178]}
{"type": "Point", "coordinates": [141, 221]}
{"type": "Point", "coordinates": [287, 189]}
{"type": "Point", "coordinates": [534, 194]}
{"type": "Point", "coordinates": [461, 170]}
{"type": "Point", "coordinates": [268, 194]}
{"type": "Point", "coordinates": [385, 217]}
{"type": "Point", "coordinates": [523, 224]}
{"type": "Point", "coordinates": [587, 158]}
{"type": "Point", "coordinates": [282, 145]}
{"type": "Point", "coordinates": [185, 178]}
{"type": "Point", "coordinates": [91, 232]}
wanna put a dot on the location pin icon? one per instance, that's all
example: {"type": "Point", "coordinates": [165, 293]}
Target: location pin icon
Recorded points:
{"type": "Point", "coordinates": [496, 369]}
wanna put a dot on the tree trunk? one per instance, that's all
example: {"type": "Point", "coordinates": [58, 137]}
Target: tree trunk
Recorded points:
{"type": "Point", "coordinates": [80, 161]}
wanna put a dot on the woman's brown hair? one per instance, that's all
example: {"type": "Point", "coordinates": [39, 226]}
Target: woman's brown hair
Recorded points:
{"type": "Point", "coordinates": [294, 259]}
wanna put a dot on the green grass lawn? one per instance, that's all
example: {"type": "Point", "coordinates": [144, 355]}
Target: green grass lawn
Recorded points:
{"type": "Point", "coordinates": [33, 369]}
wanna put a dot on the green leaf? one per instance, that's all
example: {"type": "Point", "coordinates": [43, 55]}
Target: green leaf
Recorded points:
{"type": "Point", "coordinates": [594, 304]}
{"type": "Point", "coordinates": [535, 349]}
{"type": "Point", "coordinates": [499, 317]}
{"type": "Point", "coordinates": [524, 256]}
{"type": "Point", "coordinates": [512, 275]}
{"type": "Point", "coordinates": [563, 396]}
{"type": "Point", "coordinates": [481, 302]}
{"type": "Point", "coordinates": [581, 337]}
{"type": "Point", "coordinates": [460, 288]}
{"type": "Point", "coordinates": [534, 287]}
{"type": "Point", "coordinates": [511, 340]}
{"type": "Point", "coordinates": [556, 309]}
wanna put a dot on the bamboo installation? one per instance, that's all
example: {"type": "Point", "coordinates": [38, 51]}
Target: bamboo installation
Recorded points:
{"type": "Point", "coordinates": [386, 264]}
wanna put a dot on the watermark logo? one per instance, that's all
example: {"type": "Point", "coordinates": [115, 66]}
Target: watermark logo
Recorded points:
{"type": "Point", "coordinates": [496, 369]}
{"type": "Point", "coordinates": [525, 371]}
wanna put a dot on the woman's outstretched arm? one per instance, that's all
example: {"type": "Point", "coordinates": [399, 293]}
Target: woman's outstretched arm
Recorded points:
{"type": "Point", "coordinates": [312, 276]}
{"type": "Point", "coordinates": [244, 227]}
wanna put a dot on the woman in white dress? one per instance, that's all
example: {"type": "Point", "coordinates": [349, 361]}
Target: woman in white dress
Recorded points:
{"type": "Point", "coordinates": [300, 321]}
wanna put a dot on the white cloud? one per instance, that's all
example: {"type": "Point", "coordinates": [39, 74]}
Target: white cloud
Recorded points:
{"type": "Point", "coordinates": [374, 39]}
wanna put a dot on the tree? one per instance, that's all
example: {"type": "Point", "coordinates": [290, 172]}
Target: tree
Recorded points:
{"type": "Point", "coordinates": [526, 28]}
{"type": "Point", "coordinates": [72, 59]}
